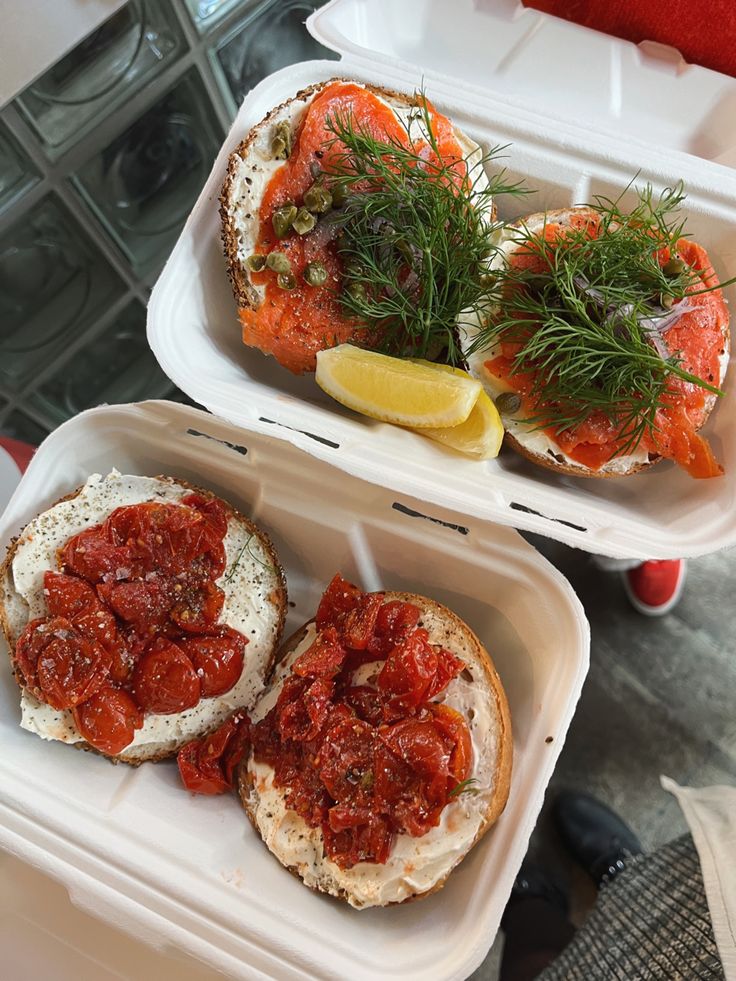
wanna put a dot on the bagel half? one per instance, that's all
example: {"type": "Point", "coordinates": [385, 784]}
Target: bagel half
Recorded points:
{"type": "Point", "coordinates": [255, 604]}
{"type": "Point", "coordinates": [536, 445]}
{"type": "Point", "coordinates": [251, 167]}
{"type": "Point", "coordinates": [417, 866]}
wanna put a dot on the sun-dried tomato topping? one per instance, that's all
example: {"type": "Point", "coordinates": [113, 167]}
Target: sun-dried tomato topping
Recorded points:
{"type": "Point", "coordinates": [453, 725]}
{"type": "Point", "coordinates": [58, 664]}
{"type": "Point", "coordinates": [164, 680]}
{"type": "Point", "coordinates": [365, 761]}
{"type": "Point", "coordinates": [140, 611]}
{"type": "Point", "coordinates": [346, 759]}
{"type": "Point", "coordinates": [217, 660]}
{"type": "Point", "coordinates": [395, 620]}
{"type": "Point", "coordinates": [208, 765]}
{"type": "Point", "coordinates": [108, 720]}
{"type": "Point", "coordinates": [360, 623]}
{"type": "Point", "coordinates": [408, 673]}
{"type": "Point", "coordinates": [366, 702]}
{"type": "Point", "coordinates": [338, 599]}
{"type": "Point", "coordinates": [324, 658]}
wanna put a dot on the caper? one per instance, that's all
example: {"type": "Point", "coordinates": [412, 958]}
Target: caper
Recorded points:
{"type": "Point", "coordinates": [508, 402]}
{"type": "Point", "coordinates": [303, 221]}
{"type": "Point", "coordinates": [317, 199]}
{"type": "Point", "coordinates": [282, 219]}
{"type": "Point", "coordinates": [339, 195]}
{"type": "Point", "coordinates": [256, 262]}
{"type": "Point", "coordinates": [278, 262]}
{"type": "Point", "coordinates": [675, 267]}
{"type": "Point", "coordinates": [281, 141]}
{"type": "Point", "coordinates": [315, 274]}
{"type": "Point", "coordinates": [286, 280]}
{"type": "Point", "coordinates": [358, 292]}
{"type": "Point", "coordinates": [666, 300]}
{"type": "Point", "coordinates": [353, 268]}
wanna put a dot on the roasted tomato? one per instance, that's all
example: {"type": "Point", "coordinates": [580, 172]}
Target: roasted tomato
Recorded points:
{"type": "Point", "coordinates": [198, 607]}
{"type": "Point", "coordinates": [323, 658]}
{"type": "Point", "coordinates": [164, 680]}
{"type": "Point", "coordinates": [337, 601]}
{"type": "Point", "coordinates": [108, 720]}
{"type": "Point", "coordinates": [58, 664]}
{"type": "Point", "coordinates": [218, 660]}
{"type": "Point", "coordinates": [93, 557]}
{"type": "Point", "coordinates": [208, 765]}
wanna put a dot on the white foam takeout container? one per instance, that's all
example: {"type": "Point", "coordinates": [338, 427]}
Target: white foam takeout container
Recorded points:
{"type": "Point", "coordinates": [189, 873]}
{"type": "Point", "coordinates": [583, 114]}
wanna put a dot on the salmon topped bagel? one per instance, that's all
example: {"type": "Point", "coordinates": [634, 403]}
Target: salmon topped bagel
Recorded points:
{"type": "Point", "coordinates": [608, 339]}
{"type": "Point", "coordinates": [331, 206]}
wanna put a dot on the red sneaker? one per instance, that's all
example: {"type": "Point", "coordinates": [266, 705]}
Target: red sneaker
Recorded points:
{"type": "Point", "coordinates": [654, 587]}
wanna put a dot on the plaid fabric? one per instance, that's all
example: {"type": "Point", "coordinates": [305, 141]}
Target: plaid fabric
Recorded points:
{"type": "Point", "coordinates": [651, 922]}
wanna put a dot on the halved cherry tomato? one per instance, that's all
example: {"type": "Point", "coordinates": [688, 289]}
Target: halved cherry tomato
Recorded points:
{"type": "Point", "coordinates": [207, 765]}
{"type": "Point", "coordinates": [218, 660]}
{"type": "Point", "coordinates": [93, 557]}
{"type": "Point", "coordinates": [59, 665]}
{"type": "Point", "coordinates": [75, 599]}
{"type": "Point", "coordinates": [108, 720]}
{"type": "Point", "coordinates": [164, 680]}
{"type": "Point", "coordinates": [198, 607]}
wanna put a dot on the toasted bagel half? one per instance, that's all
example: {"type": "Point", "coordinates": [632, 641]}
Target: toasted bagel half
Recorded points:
{"type": "Point", "coordinates": [416, 866]}
{"type": "Point", "coordinates": [255, 605]}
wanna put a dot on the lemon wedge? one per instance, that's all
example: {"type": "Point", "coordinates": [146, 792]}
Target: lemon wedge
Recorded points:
{"type": "Point", "coordinates": [481, 434]}
{"type": "Point", "coordinates": [419, 395]}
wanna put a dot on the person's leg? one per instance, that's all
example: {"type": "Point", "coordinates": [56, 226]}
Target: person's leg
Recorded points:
{"type": "Point", "coordinates": [651, 921]}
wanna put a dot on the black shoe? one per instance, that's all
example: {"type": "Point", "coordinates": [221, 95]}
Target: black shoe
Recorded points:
{"type": "Point", "coordinates": [597, 837]}
{"type": "Point", "coordinates": [534, 882]}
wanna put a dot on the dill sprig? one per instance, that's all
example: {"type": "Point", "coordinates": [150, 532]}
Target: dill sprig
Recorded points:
{"type": "Point", "coordinates": [584, 316]}
{"type": "Point", "coordinates": [465, 787]}
{"type": "Point", "coordinates": [416, 232]}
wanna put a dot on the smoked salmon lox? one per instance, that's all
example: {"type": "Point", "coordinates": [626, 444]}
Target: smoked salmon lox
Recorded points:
{"type": "Point", "coordinates": [284, 217]}
{"type": "Point", "coordinates": [609, 341]}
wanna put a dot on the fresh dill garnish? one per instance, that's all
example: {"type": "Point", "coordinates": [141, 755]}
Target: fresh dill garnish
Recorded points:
{"type": "Point", "coordinates": [239, 556]}
{"type": "Point", "coordinates": [587, 315]}
{"type": "Point", "coordinates": [465, 787]}
{"type": "Point", "coordinates": [416, 232]}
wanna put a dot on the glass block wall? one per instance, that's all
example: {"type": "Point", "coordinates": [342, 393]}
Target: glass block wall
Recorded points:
{"type": "Point", "coordinates": [101, 159]}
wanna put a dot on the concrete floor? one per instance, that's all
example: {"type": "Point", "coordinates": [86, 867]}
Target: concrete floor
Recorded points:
{"type": "Point", "coordinates": [660, 698]}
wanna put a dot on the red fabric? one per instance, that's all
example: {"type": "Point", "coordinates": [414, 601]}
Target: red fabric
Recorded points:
{"type": "Point", "coordinates": [704, 33]}
{"type": "Point", "coordinates": [20, 452]}
{"type": "Point", "coordinates": [655, 583]}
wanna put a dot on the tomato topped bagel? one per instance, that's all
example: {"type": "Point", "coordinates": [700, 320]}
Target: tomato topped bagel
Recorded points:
{"type": "Point", "coordinates": [353, 213]}
{"type": "Point", "coordinates": [381, 752]}
{"type": "Point", "coordinates": [608, 341]}
{"type": "Point", "coordinates": [139, 613]}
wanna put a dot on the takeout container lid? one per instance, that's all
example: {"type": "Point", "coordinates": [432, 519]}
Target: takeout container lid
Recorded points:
{"type": "Point", "coordinates": [189, 873]}
{"type": "Point", "coordinates": [563, 149]}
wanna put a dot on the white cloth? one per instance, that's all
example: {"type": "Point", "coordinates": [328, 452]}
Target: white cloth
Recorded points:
{"type": "Point", "coordinates": [711, 814]}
